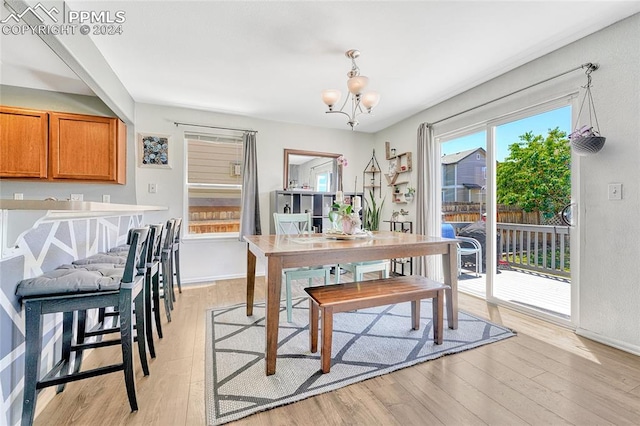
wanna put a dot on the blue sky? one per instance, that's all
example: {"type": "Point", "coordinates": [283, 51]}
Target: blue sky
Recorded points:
{"type": "Point", "coordinates": [510, 132]}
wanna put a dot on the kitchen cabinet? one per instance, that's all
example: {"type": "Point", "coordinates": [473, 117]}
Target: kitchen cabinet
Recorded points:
{"type": "Point", "coordinates": [23, 143]}
{"type": "Point", "coordinates": [57, 146]}
{"type": "Point", "coordinates": [87, 148]}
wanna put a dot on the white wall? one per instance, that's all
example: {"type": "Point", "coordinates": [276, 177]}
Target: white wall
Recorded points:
{"type": "Point", "coordinates": [205, 260]}
{"type": "Point", "coordinates": [608, 285]}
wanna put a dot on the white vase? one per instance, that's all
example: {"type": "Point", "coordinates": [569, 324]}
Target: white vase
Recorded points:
{"type": "Point", "coordinates": [348, 226]}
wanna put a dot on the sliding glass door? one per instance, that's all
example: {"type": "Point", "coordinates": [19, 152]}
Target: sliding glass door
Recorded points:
{"type": "Point", "coordinates": [504, 187]}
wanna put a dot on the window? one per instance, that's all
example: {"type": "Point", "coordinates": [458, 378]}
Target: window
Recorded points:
{"type": "Point", "coordinates": [214, 184]}
{"type": "Point", "coordinates": [322, 182]}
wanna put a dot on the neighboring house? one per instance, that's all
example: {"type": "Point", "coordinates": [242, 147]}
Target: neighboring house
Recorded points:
{"type": "Point", "coordinates": [464, 176]}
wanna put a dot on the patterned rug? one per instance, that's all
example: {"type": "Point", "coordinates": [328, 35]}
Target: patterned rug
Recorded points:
{"type": "Point", "coordinates": [366, 343]}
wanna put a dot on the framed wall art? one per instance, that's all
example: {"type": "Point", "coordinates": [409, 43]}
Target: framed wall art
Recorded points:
{"type": "Point", "coordinates": [153, 150]}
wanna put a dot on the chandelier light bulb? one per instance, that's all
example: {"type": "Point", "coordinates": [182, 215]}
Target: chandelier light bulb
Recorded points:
{"type": "Point", "coordinates": [370, 100]}
{"type": "Point", "coordinates": [357, 84]}
{"type": "Point", "coordinates": [331, 97]}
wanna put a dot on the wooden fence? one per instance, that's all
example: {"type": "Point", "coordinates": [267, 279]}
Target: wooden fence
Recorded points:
{"type": "Point", "coordinates": [472, 212]}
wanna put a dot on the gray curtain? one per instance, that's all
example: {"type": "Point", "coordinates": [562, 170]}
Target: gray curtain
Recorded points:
{"type": "Point", "coordinates": [250, 216]}
{"type": "Point", "coordinates": [428, 199]}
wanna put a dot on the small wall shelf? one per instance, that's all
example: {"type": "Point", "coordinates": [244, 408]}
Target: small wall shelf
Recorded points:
{"type": "Point", "coordinates": [372, 176]}
{"type": "Point", "coordinates": [397, 178]}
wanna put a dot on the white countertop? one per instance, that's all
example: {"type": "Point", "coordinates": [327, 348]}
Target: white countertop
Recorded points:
{"type": "Point", "coordinates": [81, 206]}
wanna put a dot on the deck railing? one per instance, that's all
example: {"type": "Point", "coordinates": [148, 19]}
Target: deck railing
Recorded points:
{"type": "Point", "coordinates": [541, 248]}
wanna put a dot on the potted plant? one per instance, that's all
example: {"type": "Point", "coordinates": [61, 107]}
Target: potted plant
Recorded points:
{"type": "Point", "coordinates": [371, 213]}
{"type": "Point", "coordinates": [343, 216]}
{"type": "Point", "coordinates": [408, 196]}
{"type": "Point", "coordinates": [586, 140]}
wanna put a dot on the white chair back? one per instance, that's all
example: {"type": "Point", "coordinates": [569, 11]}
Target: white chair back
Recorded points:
{"type": "Point", "coordinates": [292, 224]}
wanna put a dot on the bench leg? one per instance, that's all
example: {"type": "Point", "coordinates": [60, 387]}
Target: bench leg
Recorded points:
{"type": "Point", "coordinates": [438, 320]}
{"type": "Point", "coordinates": [327, 335]}
{"type": "Point", "coordinates": [415, 314]}
{"type": "Point", "coordinates": [313, 326]}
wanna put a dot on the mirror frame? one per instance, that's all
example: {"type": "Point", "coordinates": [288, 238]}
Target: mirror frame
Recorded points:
{"type": "Point", "coordinates": [288, 152]}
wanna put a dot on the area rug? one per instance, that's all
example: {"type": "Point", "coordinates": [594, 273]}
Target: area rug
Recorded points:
{"type": "Point", "coordinates": [366, 343]}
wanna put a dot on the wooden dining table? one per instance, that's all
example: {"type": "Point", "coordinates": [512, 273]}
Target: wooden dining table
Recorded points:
{"type": "Point", "coordinates": [291, 251]}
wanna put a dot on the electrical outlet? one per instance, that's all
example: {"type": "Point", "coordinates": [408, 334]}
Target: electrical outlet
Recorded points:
{"type": "Point", "coordinates": [18, 196]}
{"type": "Point", "coordinates": [106, 198]}
{"type": "Point", "coordinates": [153, 188]}
{"type": "Point", "coordinates": [615, 191]}
{"type": "Point", "coordinates": [77, 197]}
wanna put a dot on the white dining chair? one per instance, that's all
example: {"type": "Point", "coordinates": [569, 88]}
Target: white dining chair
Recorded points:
{"type": "Point", "coordinates": [298, 224]}
{"type": "Point", "coordinates": [358, 269]}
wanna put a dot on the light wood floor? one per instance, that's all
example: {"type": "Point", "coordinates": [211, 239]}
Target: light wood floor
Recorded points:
{"type": "Point", "coordinates": [545, 375]}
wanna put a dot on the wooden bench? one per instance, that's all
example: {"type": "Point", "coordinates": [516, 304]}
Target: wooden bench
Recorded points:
{"type": "Point", "coordinates": [368, 294]}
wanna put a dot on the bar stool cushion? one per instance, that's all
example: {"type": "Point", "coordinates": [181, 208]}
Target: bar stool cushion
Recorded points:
{"type": "Point", "coordinates": [65, 281]}
{"type": "Point", "coordinates": [92, 266]}
{"type": "Point", "coordinates": [102, 258]}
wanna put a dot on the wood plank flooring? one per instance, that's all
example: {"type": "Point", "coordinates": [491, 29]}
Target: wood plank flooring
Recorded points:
{"type": "Point", "coordinates": [545, 375]}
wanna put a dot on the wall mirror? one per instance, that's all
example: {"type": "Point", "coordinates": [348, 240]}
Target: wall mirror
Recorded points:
{"type": "Point", "coordinates": [310, 171]}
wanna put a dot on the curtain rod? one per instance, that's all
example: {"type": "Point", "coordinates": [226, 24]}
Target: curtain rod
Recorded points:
{"type": "Point", "coordinates": [589, 66]}
{"type": "Point", "coordinates": [214, 127]}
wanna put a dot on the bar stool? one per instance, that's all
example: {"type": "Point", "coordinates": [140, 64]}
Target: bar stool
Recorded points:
{"type": "Point", "coordinates": [68, 290]}
{"type": "Point", "coordinates": [175, 249]}
{"type": "Point", "coordinates": [153, 278]}
{"type": "Point", "coordinates": [166, 268]}
{"type": "Point", "coordinates": [115, 258]}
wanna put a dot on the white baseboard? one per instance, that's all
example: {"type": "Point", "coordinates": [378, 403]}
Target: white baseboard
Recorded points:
{"type": "Point", "coordinates": [623, 346]}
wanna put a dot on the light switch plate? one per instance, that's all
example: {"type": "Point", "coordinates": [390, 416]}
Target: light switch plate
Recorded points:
{"type": "Point", "coordinates": [153, 188]}
{"type": "Point", "coordinates": [106, 198]}
{"type": "Point", "coordinates": [615, 191]}
{"type": "Point", "coordinates": [18, 196]}
{"type": "Point", "coordinates": [77, 197]}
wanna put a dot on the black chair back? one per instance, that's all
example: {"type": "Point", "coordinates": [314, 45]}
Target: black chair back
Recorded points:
{"type": "Point", "coordinates": [136, 259]}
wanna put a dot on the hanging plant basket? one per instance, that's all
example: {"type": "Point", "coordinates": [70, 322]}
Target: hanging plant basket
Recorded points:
{"type": "Point", "coordinates": [587, 145]}
{"type": "Point", "coordinates": [586, 140]}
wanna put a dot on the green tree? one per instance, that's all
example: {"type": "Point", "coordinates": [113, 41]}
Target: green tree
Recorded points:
{"type": "Point", "coordinates": [536, 175]}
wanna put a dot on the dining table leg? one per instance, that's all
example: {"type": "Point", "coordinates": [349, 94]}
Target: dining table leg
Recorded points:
{"type": "Point", "coordinates": [450, 270]}
{"type": "Point", "coordinates": [251, 280]}
{"type": "Point", "coordinates": [272, 314]}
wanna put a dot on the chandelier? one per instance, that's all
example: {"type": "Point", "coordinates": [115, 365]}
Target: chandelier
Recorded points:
{"type": "Point", "coordinates": [356, 85]}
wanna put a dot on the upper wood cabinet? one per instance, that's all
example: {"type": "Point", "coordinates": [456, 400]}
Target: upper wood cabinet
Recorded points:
{"type": "Point", "coordinates": [23, 143]}
{"type": "Point", "coordinates": [71, 147]}
{"type": "Point", "coordinates": [85, 147]}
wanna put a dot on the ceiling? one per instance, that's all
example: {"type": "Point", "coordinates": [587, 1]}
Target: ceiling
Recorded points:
{"type": "Point", "coordinates": [271, 59]}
